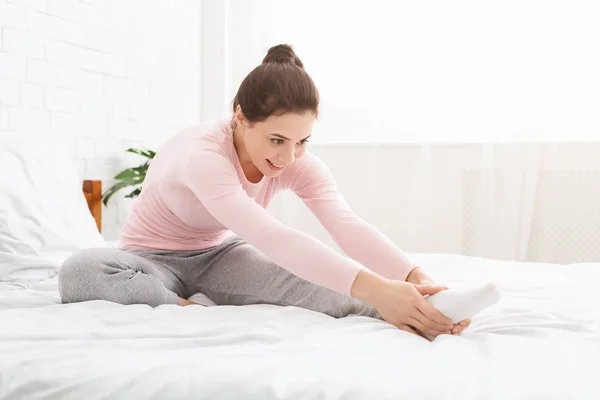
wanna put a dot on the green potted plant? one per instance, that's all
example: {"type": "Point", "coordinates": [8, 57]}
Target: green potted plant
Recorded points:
{"type": "Point", "coordinates": [130, 177]}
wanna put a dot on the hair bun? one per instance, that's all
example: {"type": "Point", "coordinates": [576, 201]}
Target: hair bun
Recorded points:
{"type": "Point", "coordinates": [282, 54]}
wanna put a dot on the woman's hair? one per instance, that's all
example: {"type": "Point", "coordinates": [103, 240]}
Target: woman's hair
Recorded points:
{"type": "Point", "coordinates": [277, 86]}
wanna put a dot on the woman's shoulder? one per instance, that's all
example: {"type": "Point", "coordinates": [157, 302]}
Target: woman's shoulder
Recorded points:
{"type": "Point", "coordinates": [187, 146]}
{"type": "Point", "coordinates": [217, 132]}
{"type": "Point", "coordinates": [213, 136]}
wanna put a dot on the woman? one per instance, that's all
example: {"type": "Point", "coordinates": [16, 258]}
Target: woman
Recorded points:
{"type": "Point", "coordinates": [200, 224]}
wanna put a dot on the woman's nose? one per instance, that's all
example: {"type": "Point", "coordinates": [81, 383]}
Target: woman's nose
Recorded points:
{"type": "Point", "coordinates": [288, 156]}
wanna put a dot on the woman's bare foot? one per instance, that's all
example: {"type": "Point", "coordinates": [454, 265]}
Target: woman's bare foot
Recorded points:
{"type": "Point", "coordinates": [184, 302]}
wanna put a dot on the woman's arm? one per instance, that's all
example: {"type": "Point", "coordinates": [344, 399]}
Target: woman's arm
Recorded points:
{"type": "Point", "coordinates": [213, 179]}
{"type": "Point", "coordinates": [360, 240]}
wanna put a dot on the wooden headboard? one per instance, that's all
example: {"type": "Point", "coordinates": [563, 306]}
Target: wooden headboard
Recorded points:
{"type": "Point", "coordinates": [92, 190]}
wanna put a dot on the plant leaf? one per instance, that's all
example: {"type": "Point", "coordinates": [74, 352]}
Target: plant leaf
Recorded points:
{"type": "Point", "coordinates": [112, 190]}
{"type": "Point", "coordinates": [127, 174]}
{"type": "Point", "coordinates": [136, 151]}
{"type": "Point", "coordinates": [132, 173]}
{"type": "Point", "coordinates": [130, 177]}
{"type": "Point", "coordinates": [149, 154]}
{"type": "Point", "coordinates": [145, 153]}
{"type": "Point", "coordinates": [135, 193]}
{"type": "Point", "coordinates": [141, 169]}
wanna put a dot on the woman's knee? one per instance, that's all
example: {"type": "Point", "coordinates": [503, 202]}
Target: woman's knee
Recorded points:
{"type": "Point", "coordinates": [79, 274]}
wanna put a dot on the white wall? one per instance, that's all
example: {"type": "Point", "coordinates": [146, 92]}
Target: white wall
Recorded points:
{"type": "Point", "coordinates": [102, 74]}
{"type": "Point", "coordinates": [465, 127]}
{"type": "Point", "coordinates": [433, 71]}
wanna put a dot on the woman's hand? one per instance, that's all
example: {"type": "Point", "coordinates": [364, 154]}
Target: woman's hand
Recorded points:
{"type": "Point", "coordinates": [418, 277]}
{"type": "Point", "coordinates": [402, 303]}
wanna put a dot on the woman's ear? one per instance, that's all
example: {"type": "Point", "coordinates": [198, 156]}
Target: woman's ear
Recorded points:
{"type": "Point", "coordinates": [239, 116]}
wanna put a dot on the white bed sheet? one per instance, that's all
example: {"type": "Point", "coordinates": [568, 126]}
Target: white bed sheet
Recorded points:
{"type": "Point", "coordinates": [541, 341]}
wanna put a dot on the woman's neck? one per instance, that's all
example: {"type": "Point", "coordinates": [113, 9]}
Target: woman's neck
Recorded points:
{"type": "Point", "coordinates": [252, 173]}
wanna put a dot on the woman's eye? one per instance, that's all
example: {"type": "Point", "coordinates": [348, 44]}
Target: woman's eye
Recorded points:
{"type": "Point", "coordinates": [281, 141]}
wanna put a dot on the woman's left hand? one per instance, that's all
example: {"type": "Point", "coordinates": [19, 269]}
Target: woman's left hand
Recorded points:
{"type": "Point", "coordinates": [418, 277]}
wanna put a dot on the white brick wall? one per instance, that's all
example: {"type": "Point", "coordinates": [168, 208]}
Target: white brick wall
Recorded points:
{"type": "Point", "coordinates": [105, 74]}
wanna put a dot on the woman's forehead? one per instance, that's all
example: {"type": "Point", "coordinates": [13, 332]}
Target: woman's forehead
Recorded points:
{"type": "Point", "coordinates": [292, 126]}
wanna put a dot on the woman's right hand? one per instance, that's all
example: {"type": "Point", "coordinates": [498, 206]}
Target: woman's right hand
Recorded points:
{"type": "Point", "coordinates": [402, 303]}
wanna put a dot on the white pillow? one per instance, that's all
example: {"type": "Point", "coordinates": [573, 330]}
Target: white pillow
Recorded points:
{"type": "Point", "coordinates": [44, 217]}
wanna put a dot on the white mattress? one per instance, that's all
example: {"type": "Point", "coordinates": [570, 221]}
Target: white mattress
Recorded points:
{"type": "Point", "coordinates": [541, 341]}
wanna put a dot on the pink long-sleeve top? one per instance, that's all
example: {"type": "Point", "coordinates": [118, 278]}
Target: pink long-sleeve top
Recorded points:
{"type": "Point", "coordinates": [196, 195]}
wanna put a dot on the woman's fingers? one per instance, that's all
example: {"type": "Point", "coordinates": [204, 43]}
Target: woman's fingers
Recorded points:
{"type": "Point", "coordinates": [432, 317]}
{"type": "Point", "coordinates": [411, 330]}
{"type": "Point", "coordinates": [425, 329]}
{"type": "Point", "coordinates": [461, 326]}
{"type": "Point", "coordinates": [429, 289]}
{"type": "Point", "coordinates": [408, 329]}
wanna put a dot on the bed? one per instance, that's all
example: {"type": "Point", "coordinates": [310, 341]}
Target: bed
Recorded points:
{"type": "Point", "coordinates": [540, 341]}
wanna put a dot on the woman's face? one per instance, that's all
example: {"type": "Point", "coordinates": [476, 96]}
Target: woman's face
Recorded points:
{"type": "Point", "coordinates": [274, 144]}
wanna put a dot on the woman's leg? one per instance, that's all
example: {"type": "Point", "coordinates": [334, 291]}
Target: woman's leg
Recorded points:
{"type": "Point", "coordinates": [119, 276]}
{"type": "Point", "coordinates": [236, 273]}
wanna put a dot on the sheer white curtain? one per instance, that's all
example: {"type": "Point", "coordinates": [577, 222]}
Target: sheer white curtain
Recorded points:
{"type": "Point", "coordinates": [444, 123]}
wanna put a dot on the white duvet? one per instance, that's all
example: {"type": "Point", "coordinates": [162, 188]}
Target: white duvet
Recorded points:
{"type": "Point", "coordinates": [541, 341]}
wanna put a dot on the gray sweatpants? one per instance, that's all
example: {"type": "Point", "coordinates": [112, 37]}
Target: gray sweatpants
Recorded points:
{"type": "Point", "coordinates": [233, 273]}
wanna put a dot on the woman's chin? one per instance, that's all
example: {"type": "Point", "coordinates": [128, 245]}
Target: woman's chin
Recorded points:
{"type": "Point", "coordinates": [271, 173]}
